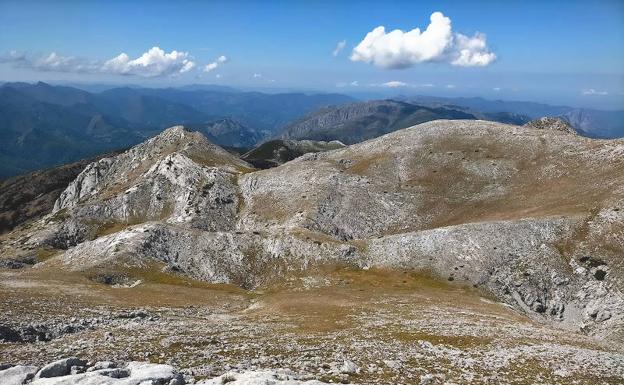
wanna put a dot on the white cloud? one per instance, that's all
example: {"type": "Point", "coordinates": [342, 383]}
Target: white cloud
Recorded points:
{"type": "Point", "coordinates": [451, 86]}
{"type": "Point", "coordinates": [339, 47]}
{"type": "Point", "coordinates": [355, 83]}
{"type": "Point", "coordinates": [473, 51]}
{"type": "Point", "coordinates": [592, 91]}
{"type": "Point", "coordinates": [496, 89]}
{"type": "Point", "coordinates": [153, 63]}
{"type": "Point", "coordinates": [257, 75]}
{"type": "Point", "coordinates": [58, 63]}
{"type": "Point", "coordinates": [394, 84]}
{"type": "Point", "coordinates": [218, 76]}
{"type": "Point", "coordinates": [437, 43]}
{"type": "Point", "coordinates": [212, 66]}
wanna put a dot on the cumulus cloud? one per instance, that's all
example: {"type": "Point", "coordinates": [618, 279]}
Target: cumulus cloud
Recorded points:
{"type": "Point", "coordinates": [592, 91]}
{"type": "Point", "coordinates": [339, 47]}
{"type": "Point", "coordinates": [472, 51]}
{"type": "Point", "coordinates": [394, 84]}
{"type": "Point", "coordinates": [215, 64]}
{"type": "Point", "coordinates": [153, 63]}
{"type": "Point", "coordinates": [437, 43]}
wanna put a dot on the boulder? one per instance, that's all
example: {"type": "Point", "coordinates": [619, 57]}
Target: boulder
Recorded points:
{"type": "Point", "coordinates": [134, 373]}
{"type": "Point", "coordinates": [349, 367]}
{"type": "Point", "coordinates": [17, 375]}
{"type": "Point", "coordinates": [59, 368]}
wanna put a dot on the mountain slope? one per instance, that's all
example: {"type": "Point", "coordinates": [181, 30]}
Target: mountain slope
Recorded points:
{"type": "Point", "coordinates": [36, 134]}
{"type": "Point", "coordinates": [254, 109]}
{"type": "Point", "coordinates": [532, 216]}
{"type": "Point", "coordinates": [356, 122]}
{"type": "Point", "coordinates": [31, 196]}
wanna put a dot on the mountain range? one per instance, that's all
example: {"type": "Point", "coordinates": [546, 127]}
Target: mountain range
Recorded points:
{"type": "Point", "coordinates": [589, 122]}
{"type": "Point", "coordinates": [43, 125]}
{"type": "Point", "coordinates": [356, 122]}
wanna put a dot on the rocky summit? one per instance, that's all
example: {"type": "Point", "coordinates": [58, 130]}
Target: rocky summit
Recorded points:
{"type": "Point", "coordinates": [453, 251]}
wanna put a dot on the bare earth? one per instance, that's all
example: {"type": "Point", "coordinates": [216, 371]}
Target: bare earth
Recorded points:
{"type": "Point", "coordinates": [397, 327]}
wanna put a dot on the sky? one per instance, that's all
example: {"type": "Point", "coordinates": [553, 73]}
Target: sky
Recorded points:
{"type": "Point", "coordinates": [558, 52]}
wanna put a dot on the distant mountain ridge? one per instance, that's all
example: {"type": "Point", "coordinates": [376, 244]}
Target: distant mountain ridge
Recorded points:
{"type": "Point", "coordinates": [588, 122]}
{"type": "Point", "coordinates": [230, 132]}
{"type": "Point", "coordinates": [356, 122]}
{"type": "Point", "coordinates": [43, 125]}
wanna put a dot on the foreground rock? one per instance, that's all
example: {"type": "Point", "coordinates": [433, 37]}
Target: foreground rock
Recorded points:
{"type": "Point", "coordinates": [73, 371]}
{"type": "Point", "coordinates": [61, 368]}
{"type": "Point", "coordinates": [17, 375]}
{"type": "Point", "coordinates": [263, 377]}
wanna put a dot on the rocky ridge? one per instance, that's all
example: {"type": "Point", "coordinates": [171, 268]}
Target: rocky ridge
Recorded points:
{"type": "Point", "coordinates": [505, 208]}
{"type": "Point", "coordinates": [548, 123]}
{"type": "Point", "coordinates": [356, 122]}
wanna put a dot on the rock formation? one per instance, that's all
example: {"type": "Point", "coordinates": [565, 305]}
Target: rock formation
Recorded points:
{"type": "Point", "coordinates": [549, 123]}
{"type": "Point", "coordinates": [532, 216]}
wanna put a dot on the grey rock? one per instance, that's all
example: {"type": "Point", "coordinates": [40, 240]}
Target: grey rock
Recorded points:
{"type": "Point", "coordinates": [349, 367]}
{"type": "Point", "coordinates": [8, 334]}
{"type": "Point", "coordinates": [59, 368]}
{"type": "Point", "coordinates": [102, 365]}
{"type": "Point", "coordinates": [551, 123]}
{"type": "Point", "coordinates": [17, 375]}
{"type": "Point", "coordinates": [134, 373]}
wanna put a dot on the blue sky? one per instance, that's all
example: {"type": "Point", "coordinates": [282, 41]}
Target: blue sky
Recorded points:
{"type": "Point", "coordinates": [566, 52]}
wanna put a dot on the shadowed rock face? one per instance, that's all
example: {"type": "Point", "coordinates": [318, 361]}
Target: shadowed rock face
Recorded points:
{"type": "Point", "coordinates": [275, 152]}
{"type": "Point", "coordinates": [534, 216]}
{"type": "Point", "coordinates": [31, 196]}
